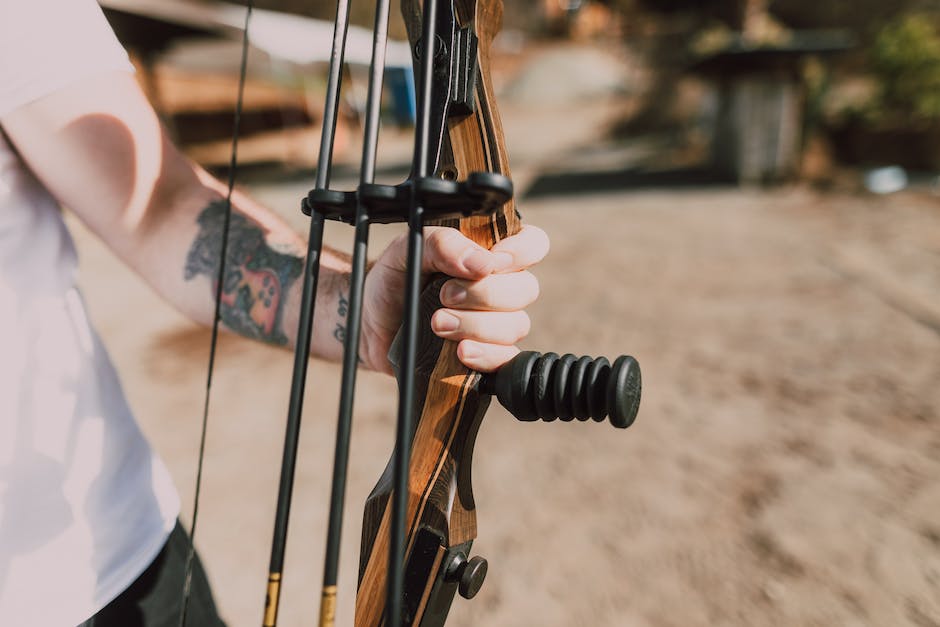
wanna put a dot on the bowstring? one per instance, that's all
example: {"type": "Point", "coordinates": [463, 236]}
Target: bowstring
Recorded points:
{"type": "Point", "coordinates": [216, 318]}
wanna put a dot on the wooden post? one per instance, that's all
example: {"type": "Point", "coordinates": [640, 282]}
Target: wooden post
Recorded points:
{"type": "Point", "coordinates": [757, 136]}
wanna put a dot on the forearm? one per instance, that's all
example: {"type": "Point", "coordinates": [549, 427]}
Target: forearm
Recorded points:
{"type": "Point", "coordinates": [263, 269]}
{"type": "Point", "coordinates": [99, 148]}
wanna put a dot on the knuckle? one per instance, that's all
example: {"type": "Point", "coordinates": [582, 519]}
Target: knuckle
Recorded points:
{"type": "Point", "coordinates": [439, 239]}
{"type": "Point", "coordinates": [525, 325]}
{"type": "Point", "coordinates": [432, 240]}
{"type": "Point", "coordinates": [531, 284]}
{"type": "Point", "coordinates": [485, 293]}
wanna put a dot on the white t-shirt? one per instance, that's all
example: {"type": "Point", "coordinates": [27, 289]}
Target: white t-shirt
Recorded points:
{"type": "Point", "coordinates": [85, 504]}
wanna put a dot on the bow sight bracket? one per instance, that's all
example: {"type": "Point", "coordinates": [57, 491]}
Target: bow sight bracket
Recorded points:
{"type": "Point", "coordinates": [482, 193]}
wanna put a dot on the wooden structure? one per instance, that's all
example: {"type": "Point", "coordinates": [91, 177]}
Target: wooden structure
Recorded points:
{"type": "Point", "coordinates": [187, 56]}
{"type": "Point", "coordinates": [758, 128]}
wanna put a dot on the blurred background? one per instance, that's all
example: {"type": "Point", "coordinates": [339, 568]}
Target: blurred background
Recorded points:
{"type": "Point", "coordinates": [741, 193]}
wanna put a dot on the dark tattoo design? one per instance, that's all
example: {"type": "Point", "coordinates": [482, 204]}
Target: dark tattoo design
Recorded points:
{"type": "Point", "coordinates": [256, 279]}
{"type": "Point", "coordinates": [342, 309]}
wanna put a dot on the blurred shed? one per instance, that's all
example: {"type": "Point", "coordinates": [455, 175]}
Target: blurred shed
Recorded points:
{"type": "Point", "coordinates": [758, 133]}
{"type": "Point", "coordinates": [188, 57]}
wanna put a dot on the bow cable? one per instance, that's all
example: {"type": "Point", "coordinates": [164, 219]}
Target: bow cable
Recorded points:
{"type": "Point", "coordinates": [216, 318]}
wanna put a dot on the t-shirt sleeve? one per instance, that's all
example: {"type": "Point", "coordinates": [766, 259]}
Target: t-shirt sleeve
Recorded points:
{"type": "Point", "coordinates": [46, 45]}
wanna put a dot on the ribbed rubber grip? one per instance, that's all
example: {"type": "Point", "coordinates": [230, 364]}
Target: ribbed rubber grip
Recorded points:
{"type": "Point", "coordinates": [547, 387]}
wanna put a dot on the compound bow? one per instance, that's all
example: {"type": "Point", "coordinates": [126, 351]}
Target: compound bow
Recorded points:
{"type": "Point", "coordinates": [420, 518]}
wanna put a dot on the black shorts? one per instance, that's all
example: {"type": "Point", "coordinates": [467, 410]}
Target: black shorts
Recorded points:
{"type": "Point", "coordinates": [155, 598]}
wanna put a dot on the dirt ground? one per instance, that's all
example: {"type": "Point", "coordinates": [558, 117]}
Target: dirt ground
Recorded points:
{"type": "Point", "coordinates": [784, 466]}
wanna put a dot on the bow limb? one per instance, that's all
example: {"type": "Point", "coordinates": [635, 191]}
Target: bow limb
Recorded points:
{"type": "Point", "coordinates": [441, 515]}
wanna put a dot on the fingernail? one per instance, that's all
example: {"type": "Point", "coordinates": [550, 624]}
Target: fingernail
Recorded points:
{"type": "Point", "coordinates": [453, 294]}
{"type": "Point", "coordinates": [446, 322]}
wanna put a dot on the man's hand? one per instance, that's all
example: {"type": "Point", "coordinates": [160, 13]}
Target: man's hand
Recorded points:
{"type": "Point", "coordinates": [483, 304]}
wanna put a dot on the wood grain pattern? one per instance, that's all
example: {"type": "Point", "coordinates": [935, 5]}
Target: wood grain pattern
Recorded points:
{"type": "Point", "coordinates": [440, 491]}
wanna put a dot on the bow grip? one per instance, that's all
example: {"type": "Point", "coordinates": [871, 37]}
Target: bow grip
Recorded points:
{"type": "Point", "coordinates": [533, 386]}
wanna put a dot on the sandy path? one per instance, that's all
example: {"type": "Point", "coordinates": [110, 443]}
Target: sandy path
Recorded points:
{"type": "Point", "coordinates": [782, 471]}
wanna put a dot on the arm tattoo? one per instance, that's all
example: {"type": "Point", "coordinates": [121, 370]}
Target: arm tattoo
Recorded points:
{"type": "Point", "coordinates": [342, 309]}
{"type": "Point", "coordinates": [257, 277]}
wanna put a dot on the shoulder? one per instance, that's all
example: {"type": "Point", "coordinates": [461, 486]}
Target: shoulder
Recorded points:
{"type": "Point", "coordinates": [47, 45]}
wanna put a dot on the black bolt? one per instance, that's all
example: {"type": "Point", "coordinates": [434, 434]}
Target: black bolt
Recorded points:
{"type": "Point", "coordinates": [469, 574]}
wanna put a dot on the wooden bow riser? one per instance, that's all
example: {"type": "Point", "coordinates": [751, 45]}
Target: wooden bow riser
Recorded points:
{"type": "Point", "coordinates": [441, 511]}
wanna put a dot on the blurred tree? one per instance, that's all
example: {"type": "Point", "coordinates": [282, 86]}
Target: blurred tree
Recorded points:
{"type": "Point", "coordinates": [862, 17]}
{"type": "Point", "coordinates": [906, 61]}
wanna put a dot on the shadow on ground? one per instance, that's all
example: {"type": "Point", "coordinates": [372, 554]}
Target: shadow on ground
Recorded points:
{"type": "Point", "coordinates": [625, 179]}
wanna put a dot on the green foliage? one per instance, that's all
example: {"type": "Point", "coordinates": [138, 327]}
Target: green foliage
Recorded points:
{"type": "Point", "coordinates": [906, 60]}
